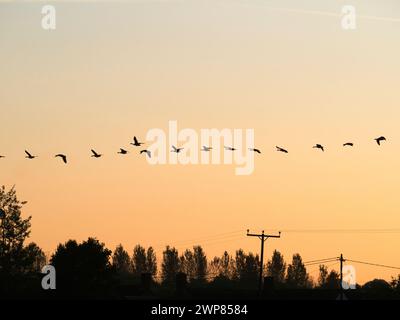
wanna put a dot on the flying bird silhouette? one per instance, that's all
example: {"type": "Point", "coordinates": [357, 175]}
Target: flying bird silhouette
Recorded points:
{"type": "Point", "coordinates": [378, 140]}
{"type": "Point", "coordinates": [29, 156]}
{"type": "Point", "coordinates": [175, 149]}
{"type": "Point", "coordinates": [147, 152]}
{"type": "Point", "coordinates": [2, 157]}
{"type": "Point", "coordinates": [348, 144]}
{"type": "Point", "coordinates": [122, 151]}
{"type": "Point", "coordinates": [255, 150]}
{"type": "Point", "coordinates": [62, 156]}
{"type": "Point", "coordinates": [318, 146]}
{"type": "Point", "coordinates": [206, 148]}
{"type": "Point", "coordinates": [229, 148]}
{"type": "Point", "coordinates": [136, 143]}
{"type": "Point", "coordinates": [281, 150]}
{"type": "Point", "coordinates": [95, 154]}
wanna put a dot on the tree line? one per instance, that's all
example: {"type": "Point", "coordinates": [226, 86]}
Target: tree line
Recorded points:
{"type": "Point", "coordinates": [91, 268]}
{"type": "Point", "coordinates": [240, 267]}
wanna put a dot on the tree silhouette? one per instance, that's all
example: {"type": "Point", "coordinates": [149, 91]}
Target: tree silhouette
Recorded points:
{"type": "Point", "coordinates": [323, 275]}
{"type": "Point", "coordinates": [252, 267]}
{"type": "Point", "coordinates": [200, 261]}
{"type": "Point", "coordinates": [13, 232]}
{"type": "Point", "coordinates": [247, 266]}
{"type": "Point", "coordinates": [121, 260]}
{"type": "Point", "coordinates": [328, 280]}
{"type": "Point", "coordinates": [188, 264]}
{"type": "Point", "coordinates": [170, 265]}
{"type": "Point", "coordinates": [227, 265]}
{"type": "Point", "coordinates": [34, 258]}
{"type": "Point", "coordinates": [222, 267]}
{"type": "Point", "coordinates": [144, 262]}
{"type": "Point", "coordinates": [151, 261]}
{"type": "Point", "coordinates": [395, 283]}
{"type": "Point", "coordinates": [297, 276]}
{"type": "Point", "coordinates": [82, 268]}
{"type": "Point", "coordinates": [214, 267]}
{"type": "Point", "coordinates": [333, 280]}
{"type": "Point", "coordinates": [377, 287]}
{"type": "Point", "coordinates": [240, 265]}
{"type": "Point", "coordinates": [377, 284]}
{"type": "Point", "coordinates": [276, 267]}
{"type": "Point", "coordinates": [139, 260]}
{"type": "Point", "coordinates": [194, 264]}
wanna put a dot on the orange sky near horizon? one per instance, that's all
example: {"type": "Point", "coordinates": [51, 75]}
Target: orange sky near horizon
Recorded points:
{"type": "Point", "coordinates": [114, 70]}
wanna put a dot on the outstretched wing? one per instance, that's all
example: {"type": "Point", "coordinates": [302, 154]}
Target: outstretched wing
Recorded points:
{"type": "Point", "coordinates": [281, 149]}
{"type": "Point", "coordinates": [147, 152]}
{"type": "Point", "coordinates": [28, 154]}
{"type": "Point", "coordinates": [135, 140]}
{"type": "Point", "coordinates": [62, 156]}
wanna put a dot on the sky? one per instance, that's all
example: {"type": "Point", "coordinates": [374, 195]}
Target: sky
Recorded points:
{"type": "Point", "coordinates": [287, 69]}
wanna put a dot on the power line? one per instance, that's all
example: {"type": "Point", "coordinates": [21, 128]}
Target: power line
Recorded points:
{"type": "Point", "coordinates": [374, 264]}
{"type": "Point", "coordinates": [320, 260]}
{"type": "Point", "coordinates": [238, 231]}
{"type": "Point", "coordinates": [395, 230]}
{"type": "Point", "coordinates": [327, 266]}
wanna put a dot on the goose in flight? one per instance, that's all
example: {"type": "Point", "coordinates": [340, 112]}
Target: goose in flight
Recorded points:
{"type": "Point", "coordinates": [229, 148]}
{"type": "Point", "coordinates": [95, 154]}
{"type": "Point", "coordinates": [206, 148]}
{"type": "Point", "coordinates": [378, 140]}
{"type": "Point", "coordinates": [2, 156]}
{"type": "Point", "coordinates": [175, 149]}
{"type": "Point", "coordinates": [136, 143]}
{"type": "Point", "coordinates": [348, 144]}
{"type": "Point", "coordinates": [147, 152]}
{"type": "Point", "coordinates": [29, 156]}
{"type": "Point", "coordinates": [281, 150]}
{"type": "Point", "coordinates": [255, 150]}
{"type": "Point", "coordinates": [319, 146]}
{"type": "Point", "coordinates": [122, 151]}
{"type": "Point", "coordinates": [62, 156]}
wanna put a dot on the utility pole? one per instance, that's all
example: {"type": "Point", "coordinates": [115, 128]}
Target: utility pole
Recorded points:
{"type": "Point", "coordinates": [263, 237]}
{"type": "Point", "coordinates": [341, 276]}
